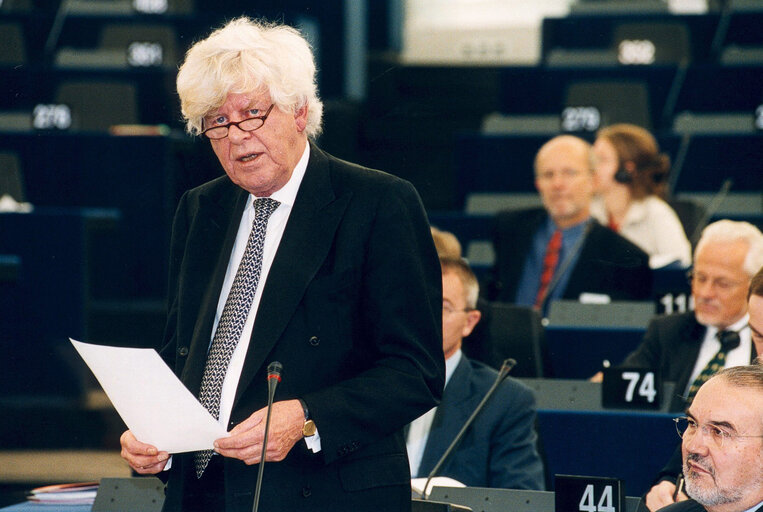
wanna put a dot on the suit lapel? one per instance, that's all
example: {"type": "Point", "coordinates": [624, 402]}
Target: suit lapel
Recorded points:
{"type": "Point", "coordinates": [305, 243]}
{"type": "Point", "coordinates": [451, 414]}
{"type": "Point", "coordinates": [691, 341]}
{"type": "Point", "coordinates": [221, 215]}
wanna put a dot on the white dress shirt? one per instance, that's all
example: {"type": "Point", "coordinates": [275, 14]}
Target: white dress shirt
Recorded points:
{"type": "Point", "coordinates": [418, 432]}
{"type": "Point", "coordinates": [275, 229]}
{"type": "Point", "coordinates": [654, 226]}
{"type": "Point", "coordinates": [710, 346]}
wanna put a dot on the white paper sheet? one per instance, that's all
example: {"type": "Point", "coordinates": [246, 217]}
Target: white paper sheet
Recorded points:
{"type": "Point", "coordinates": [151, 400]}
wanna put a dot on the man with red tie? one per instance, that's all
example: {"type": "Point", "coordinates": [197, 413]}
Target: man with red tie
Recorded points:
{"type": "Point", "coordinates": [558, 252]}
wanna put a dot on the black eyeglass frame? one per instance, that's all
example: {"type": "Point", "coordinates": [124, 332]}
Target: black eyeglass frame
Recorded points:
{"type": "Point", "coordinates": [238, 124]}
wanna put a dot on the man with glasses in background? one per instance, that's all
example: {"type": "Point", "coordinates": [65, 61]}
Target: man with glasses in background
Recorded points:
{"type": "Point", "coordinates": [666, 492]}
{"type": "Point", "coordinates": [722, 443]}
{"type": "Point", "coordinates": [297, 257]}
{"type": "Point", "coordinates": [499, 449]}
{"type": "Point", "coordinates": [559, 251]}
{"type": "Point", "coordinates": [687, 348]}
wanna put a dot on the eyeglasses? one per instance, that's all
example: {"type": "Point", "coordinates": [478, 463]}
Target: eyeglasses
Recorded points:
{"type": "Point", "coordinates": [567, 173]}
{"type": "Point", "coordinates": [687, 428]}
{"type": "Point", "coordinates": [248, 125]}
{"type": "Point", "coordinates": [448, 309]}
{"type": "Point", "coordinates": [721, 283]}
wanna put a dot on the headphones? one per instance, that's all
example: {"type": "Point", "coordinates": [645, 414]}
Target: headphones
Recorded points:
{"type": "Point", "coordinates": [622, 175]}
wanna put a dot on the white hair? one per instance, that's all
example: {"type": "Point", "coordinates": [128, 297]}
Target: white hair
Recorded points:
{"type": "Point", "coordinates": [247, 56]}
{"type": "Point", "coordinates": [729, 231]}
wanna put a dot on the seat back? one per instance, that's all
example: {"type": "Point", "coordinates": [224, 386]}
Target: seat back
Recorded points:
{"type": "Point", "coordinates": [669, 40]}
{"type": "Point", "coordinates": [97, 105]}
{"type": "Point", "coordinates": [11, 181]}
{"type": "Point", "coordinates": [623, 101]}
{"type": "Point", "coordinates": [507, 330]}
{"type": "Point", "coordinates": [12, 47]}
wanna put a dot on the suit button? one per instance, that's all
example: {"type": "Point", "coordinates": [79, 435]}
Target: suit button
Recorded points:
{"type": "Point", "coordinates": [183, 351]}
{"type": "Point", "coordinates": [306, 492]}
{"type": "Point", "coordinates": [314, 341]}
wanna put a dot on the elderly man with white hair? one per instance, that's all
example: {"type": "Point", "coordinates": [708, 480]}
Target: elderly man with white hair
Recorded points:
{"type": "Point", "coordinates": [297, 257]}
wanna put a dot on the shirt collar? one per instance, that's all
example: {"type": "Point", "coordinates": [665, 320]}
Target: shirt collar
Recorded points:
{"type": "Point", "coordinates": [572, 230]}
{"type": "Point", "coordinates": [736, 326]}
{"type": "Point", "coordinates": [287, 194]}
{"type": "Point", "coordinates": [451, 363]}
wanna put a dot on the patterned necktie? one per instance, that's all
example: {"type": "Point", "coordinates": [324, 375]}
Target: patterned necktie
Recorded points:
{"type": "Point", "coordinates": [729, 341]}
{"type": "Point", "coordinates": [234, 315]}
{"type": "Point", "coordinates": [550, 261]}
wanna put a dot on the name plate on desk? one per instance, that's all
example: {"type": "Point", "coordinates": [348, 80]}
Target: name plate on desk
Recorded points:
{"type": "Point", "coordinates": [588, 494]}
{"type": "Point", "coordinates": [631, 388]}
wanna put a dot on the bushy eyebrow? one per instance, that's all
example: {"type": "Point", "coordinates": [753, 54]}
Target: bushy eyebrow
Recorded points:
{"type": "Point", "coordinates": [723, 424]}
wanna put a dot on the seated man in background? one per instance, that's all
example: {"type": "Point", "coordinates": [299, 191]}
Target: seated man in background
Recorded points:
{"type": "Point", "coordinates": [664, 492]}
{"type": "Point", "coordinates": [558, 251]}
{"type": "Point", "coordinates": [445, 243]}
{"type": "Point", "coordinates": [687, 348]}
{"type": "Point", "coordinates": [499, 449]}
{"type": "Point", "coordinates": [722, 447]}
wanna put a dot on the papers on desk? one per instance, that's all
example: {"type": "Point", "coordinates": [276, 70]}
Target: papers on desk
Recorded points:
{"type": "Point", "coordinates": [151, 400]}
{"type": "Point", "coordinates": [65, 494]}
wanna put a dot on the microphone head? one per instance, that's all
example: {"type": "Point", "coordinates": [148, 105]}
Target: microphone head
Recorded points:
{"type": "Point", "coordinates": [507, 365]}
{"type": "Point", "coordinates": [274, 370]}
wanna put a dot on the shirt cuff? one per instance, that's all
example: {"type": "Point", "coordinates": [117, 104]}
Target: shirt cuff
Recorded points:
{"type": "Point", "coordinates": [314, 442]}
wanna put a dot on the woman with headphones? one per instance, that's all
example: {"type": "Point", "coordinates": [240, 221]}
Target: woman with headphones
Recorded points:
{"type": "Point", "coordinates": [631, 177]}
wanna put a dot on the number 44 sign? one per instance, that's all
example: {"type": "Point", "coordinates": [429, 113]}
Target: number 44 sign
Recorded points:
{"type": "Point", "coordinates": [588, 494]}
{"type": "Point", "coordinates": [634, 388]}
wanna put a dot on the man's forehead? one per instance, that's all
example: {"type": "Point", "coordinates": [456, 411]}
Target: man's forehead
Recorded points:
{"type": "Point", "coordinates": [240, 101]}
{"type": "Point", "coordinates": [719, 401]}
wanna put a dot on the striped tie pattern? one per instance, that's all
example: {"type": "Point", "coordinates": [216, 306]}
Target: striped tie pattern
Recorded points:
{"type": "Point", "coordinates": [234, 315]}
{"type": "Point", "coordinates": [729, 341]}
{"type": "Point", "coordinates": [550, 260]}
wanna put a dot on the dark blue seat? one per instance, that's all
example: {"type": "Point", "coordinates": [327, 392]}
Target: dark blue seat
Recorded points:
{"type": "Point", "coordinates": [633, 446]}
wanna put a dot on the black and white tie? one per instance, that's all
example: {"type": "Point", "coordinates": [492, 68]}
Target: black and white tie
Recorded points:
{"type": "Point", "coordinates": [234, 315]}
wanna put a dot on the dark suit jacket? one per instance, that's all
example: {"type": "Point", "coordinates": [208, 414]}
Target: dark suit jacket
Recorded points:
{"type": "Point", "coordinates": [692, 506]}
{"type": "Point", "coordinates": [608, 263]}
{"type": "Point", "coordinates": [351, 308]}
{"type": "Point", "coordinates": [671, 345]}
{"type": "Point", "coordinates": [499, 449]}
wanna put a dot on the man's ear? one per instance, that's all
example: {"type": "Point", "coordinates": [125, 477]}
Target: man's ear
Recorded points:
{"type": "Point", "coordinates": [300, 117]}
{"type": "Point", "coordinates": [472, 318]}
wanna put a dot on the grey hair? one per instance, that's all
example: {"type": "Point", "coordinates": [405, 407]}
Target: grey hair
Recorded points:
{"type": "Point", "coordinates": [247, 56]}
{"type": "Point", "coordinates": [729, 231]}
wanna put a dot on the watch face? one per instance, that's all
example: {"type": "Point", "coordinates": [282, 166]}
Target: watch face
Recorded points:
{"type": "Point", "coordinates": [308, 429]}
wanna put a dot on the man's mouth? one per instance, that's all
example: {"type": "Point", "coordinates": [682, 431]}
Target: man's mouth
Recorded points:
{"type": "Point", "coordinates": [697, 469]}
{"type": "Point", "coordinates": [248, 157]}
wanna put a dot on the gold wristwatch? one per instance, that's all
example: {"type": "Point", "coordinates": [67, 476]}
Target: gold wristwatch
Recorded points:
{"type": "Point", "coordinates": [308, 428]}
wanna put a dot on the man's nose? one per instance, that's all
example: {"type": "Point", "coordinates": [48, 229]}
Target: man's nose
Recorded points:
{"type": "Point", "coordinates": [696, 443]}
{"type": "Point", "coordinates": [236, 134]}
{"type": "Point", "coordinates": [703, 289]}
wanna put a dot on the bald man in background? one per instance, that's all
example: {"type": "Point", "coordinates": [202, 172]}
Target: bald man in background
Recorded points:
{"type": "Point", "coordinates": [558, 251]}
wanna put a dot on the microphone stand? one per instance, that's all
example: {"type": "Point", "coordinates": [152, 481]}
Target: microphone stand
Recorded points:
{"type": "Point", "coordinates": [506, 367]}
{"type": "Point", "coordinates": [274, 377]}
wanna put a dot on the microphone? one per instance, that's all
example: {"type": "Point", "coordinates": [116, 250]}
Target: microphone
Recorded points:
{"type": "Point", "coordinates": [274, 377]}
{"type": "Point", "coordinates": [713, 207]}
{"type": "Point", "coordinates": [506, 367]}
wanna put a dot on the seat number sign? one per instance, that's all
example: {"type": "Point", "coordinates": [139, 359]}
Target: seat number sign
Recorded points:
{"type": "Point", "coordinates": [588, 494]}
{"type": "Point", "coordinates": [630, 388]}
